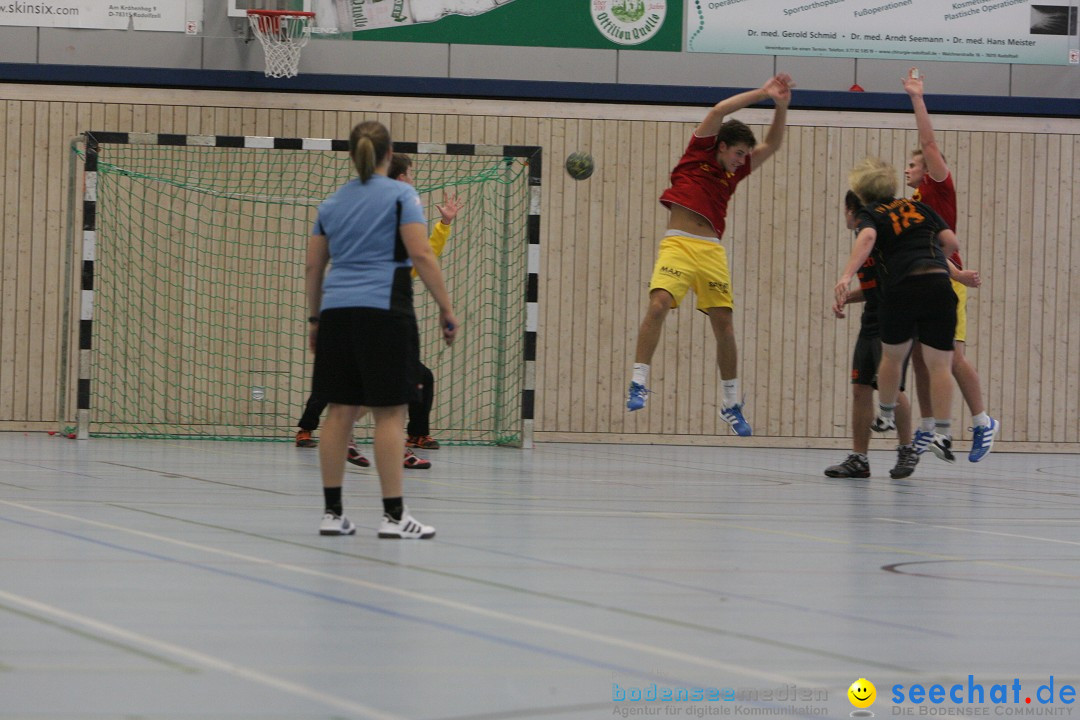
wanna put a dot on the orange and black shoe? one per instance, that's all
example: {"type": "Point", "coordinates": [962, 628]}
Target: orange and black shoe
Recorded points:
{"type": "Point", "coordinates": [412, 462]}
{"type": "Point", "coordinates": [424, 442]}
{"type": "Point", "coordinates": [354, 456]}
{"type": "Point", "coordinates": [304, 439]}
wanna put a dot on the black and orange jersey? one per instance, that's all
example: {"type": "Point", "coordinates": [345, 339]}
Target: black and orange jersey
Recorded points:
{"type": "Point", "coordinates": [871, 295]}
{"type": "Point", "coordinates": [906, 240]}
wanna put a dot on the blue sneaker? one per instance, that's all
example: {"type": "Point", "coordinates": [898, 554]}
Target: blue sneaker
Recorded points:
{"type": "Point", "coordinates": [982, 440]}
{"type": "Point", "coordinates": [636, 399]}
{"type": "Point", "coordinates": [733, 416]}
{"type": "Point", "coordinates": [922, 441]}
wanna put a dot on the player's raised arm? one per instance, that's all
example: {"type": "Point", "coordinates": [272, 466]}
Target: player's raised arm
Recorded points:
{"type": "Point", "coordinates": [932, 155]}
{"type": "Point", "coordinates": [776, 86]}
{"type": "Point", "coordinates": [779, 89]}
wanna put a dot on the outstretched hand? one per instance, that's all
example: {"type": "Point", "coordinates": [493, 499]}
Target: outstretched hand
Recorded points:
{"type": "Point", "coordinates": [450, 207]}
{"type": "Point", "coordinates": [779, 88]}
{"type": "Point", "coordinates": [913, 83]}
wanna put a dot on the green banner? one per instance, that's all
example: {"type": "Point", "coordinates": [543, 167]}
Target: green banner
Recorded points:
{"type": "Point", "coordinates": [605, 24]}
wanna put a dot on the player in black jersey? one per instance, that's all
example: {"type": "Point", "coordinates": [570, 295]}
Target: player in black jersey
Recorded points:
{"type": "Point", "coordinates": [910, 243]}
{"type": "Point", "coordinates": [864, 366]}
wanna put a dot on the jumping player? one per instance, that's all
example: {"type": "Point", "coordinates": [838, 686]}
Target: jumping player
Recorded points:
{"type": "Point", "coordinates": [719, 156]}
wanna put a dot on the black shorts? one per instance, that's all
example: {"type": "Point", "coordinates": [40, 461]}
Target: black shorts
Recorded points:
{"type": "Point", "coordinates": [923, 307]}
{"type": "Point", "coordinates": [366, 356]}
{"type": "Point", "coordinates": [866, 359]}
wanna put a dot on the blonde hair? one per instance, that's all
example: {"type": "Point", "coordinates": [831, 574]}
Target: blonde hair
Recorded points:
{"type": "Point", "coordinates": [873, 180]}
{"type": "Point", "coordinates": [368, 144]}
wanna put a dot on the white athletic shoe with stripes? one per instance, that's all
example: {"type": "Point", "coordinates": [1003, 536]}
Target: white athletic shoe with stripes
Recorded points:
{"type": "Point", "coordinates": [407, 528]}
{"type": "Point", "coordinates": [336, 525]}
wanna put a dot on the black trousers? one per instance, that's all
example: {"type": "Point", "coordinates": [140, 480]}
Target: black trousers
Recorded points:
{"type": "Point", "coordinates": [419, 407]}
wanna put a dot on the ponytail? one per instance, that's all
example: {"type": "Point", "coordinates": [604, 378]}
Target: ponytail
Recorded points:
{"type": "Point", "coordinates": [369, 142]}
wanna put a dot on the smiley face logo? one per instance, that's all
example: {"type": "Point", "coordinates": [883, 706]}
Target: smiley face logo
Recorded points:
{"type": "Point", "coordinates": [862, 693]}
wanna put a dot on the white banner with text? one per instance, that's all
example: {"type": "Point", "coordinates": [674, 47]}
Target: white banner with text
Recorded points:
{"type": "Point", "coordinates": [1009, 31]}
{"type": "Point", "coordinates": [163, 15]}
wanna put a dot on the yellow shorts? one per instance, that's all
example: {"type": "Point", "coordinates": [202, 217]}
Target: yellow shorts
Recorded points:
{"type": "Point", "coordinates": [961, 311]}
{"type": "Point", "coordinates": [685, 262]}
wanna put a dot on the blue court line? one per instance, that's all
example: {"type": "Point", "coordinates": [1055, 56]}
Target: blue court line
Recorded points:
{"type": "Point", "coordinates": [457, 629]}
{"type": "Point", "coordinates": [709, 591]}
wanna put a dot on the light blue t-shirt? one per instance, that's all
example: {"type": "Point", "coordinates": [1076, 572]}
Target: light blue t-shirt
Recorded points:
{"type": "Point", "coordinates": [360, 222]}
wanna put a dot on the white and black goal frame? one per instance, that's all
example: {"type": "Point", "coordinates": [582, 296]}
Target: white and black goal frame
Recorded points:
{"type": "Point", "coordinates": [532, 155]}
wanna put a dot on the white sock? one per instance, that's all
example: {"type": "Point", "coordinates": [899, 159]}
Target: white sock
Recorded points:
{"type": "Point", "coordinates": [731, 392]}
{"type": "Point", "coordinates": [926, 424]}
{"type": "Point", "coordinates": [981, 420]}
{"type": "Point", "coordinates": [641, 374]}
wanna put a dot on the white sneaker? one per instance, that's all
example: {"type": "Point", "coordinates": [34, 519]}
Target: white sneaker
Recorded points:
{"type": "Point", "coordinates": [942, 447]}
{"type": "Point", "coordinates": [407, 528]}
{"type": "Point", "coordinates": [883, 424]}
{"type": "Point", "coordinates": [336, 525]}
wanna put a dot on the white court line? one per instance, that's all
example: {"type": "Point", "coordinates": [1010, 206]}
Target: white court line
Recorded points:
{"type": "Point", "coordinates": [442, 602]}
{"type": "Point", "coordinates": [202, 659]}
{"type": "Point", "coordinates": [980, 532]}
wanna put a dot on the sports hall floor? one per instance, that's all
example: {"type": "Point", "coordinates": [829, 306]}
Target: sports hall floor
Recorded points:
{"type": "Point", "coordinates": [151, 580]}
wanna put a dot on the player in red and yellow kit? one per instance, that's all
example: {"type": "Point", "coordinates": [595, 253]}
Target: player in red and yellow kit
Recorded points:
{"type": "Point", "coordinates": [928, 173]}
{"type": "Point", "coordinates": [720, 155]}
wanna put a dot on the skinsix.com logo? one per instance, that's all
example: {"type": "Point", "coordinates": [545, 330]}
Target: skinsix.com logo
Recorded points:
{"type": "Point", "coordinates": [968, 699]}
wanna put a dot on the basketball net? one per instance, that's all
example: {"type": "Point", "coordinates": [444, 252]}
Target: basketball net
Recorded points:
{"type": "Point", "coordinates": [283, 34]}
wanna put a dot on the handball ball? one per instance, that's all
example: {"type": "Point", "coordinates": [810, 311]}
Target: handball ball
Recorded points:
{"type": "Point", "coordinates": [580, 165]}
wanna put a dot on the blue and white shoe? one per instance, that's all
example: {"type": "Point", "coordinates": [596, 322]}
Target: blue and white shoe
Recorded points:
{"type": "Point", "coordinates": [982, 440]}
{"type": "Point", "coordinates": [733, 416]}
{"type": "Point", "coordinates": [923, 440]}
{"type": "Point", "coordinates": [636, 399]}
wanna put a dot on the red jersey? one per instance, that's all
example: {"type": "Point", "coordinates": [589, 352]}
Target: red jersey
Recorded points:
{"type": "Point", "coordinates": [701, 184]}
{"type": "Point", "coordinates": [941, 196]}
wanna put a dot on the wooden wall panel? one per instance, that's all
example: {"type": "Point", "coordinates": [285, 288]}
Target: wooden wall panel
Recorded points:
{"type": "Point", "coordinates": [1019, 194]}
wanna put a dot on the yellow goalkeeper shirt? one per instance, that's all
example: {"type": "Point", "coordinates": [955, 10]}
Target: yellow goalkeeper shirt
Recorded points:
{"type": "Point", "coordinates": [438, 239]}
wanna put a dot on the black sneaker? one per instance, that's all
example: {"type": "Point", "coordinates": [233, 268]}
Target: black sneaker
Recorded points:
{"type": "Point", "coordinates": [906, 460]}
{"type": "Point", "coordinates": [854, 467]}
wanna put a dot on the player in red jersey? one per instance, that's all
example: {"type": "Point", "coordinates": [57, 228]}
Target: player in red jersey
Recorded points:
{"type": "Point", "coordinates": [720, 155]}
{"type": "Point", "coordinates": [928, 173]}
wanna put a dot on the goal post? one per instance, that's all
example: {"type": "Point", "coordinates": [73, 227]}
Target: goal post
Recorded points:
{"type": "Point", "coordinates": [192, 314]}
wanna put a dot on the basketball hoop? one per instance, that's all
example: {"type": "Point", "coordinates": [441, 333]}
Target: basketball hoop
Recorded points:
{"type": "Point", "coordinates": [283, 34]}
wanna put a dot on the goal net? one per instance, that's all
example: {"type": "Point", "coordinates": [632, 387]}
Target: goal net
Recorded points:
{"type": "Point", "coordinates": [195, 323]}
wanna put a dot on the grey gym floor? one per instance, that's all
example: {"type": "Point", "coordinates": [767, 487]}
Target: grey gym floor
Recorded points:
{"type": "Point", "coordinates": [186, 579]}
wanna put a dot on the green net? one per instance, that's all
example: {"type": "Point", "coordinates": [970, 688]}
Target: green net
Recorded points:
{"type": "Point", "coordinates": [200, 315]}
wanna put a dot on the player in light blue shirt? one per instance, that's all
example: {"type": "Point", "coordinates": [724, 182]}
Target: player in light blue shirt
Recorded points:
{"type": "Point", "coordinates": [371, 233]}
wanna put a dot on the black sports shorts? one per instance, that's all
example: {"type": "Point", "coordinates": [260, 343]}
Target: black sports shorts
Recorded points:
{"type": "Point", "coordinates": [366, 356]}
{"type": "Point", "coordinates": [866, 359]}
{"type": "Point", "coordinates": [920, 306]}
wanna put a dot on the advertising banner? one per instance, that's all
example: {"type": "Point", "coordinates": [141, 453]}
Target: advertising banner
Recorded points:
{"type": "Point", "coordinates": [163, 15]}
{"type": "Point", "coordinates": [627, 24]}
{"type": "Point", "coordinates": [1008, 31]}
